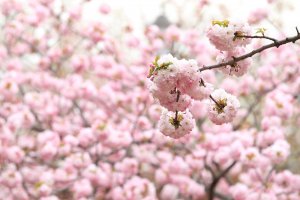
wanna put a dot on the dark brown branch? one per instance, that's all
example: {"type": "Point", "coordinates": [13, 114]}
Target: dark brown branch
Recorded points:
{"type": "Point", "coordinates": [177, 100]}
{"type": "Point", "coordinates": [213, 185]}
{"type": "Point", "coordinates": [178, 95]}
{"type": "Point", "coordinates": [252, 53]}
{"type": "Point", "coordinates": [207, 167]}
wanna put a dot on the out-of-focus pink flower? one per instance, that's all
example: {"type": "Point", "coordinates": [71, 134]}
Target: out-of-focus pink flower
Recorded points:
{"type": "Point", "coordinates": [82, 188]}
{"type": "Point", "coordinates": [105, 9]}
{"type": "Point", "coordinates": [169, 192]}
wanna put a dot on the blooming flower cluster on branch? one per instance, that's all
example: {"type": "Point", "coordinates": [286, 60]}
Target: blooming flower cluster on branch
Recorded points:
{"type": "Point", "coordinates": [229, 38]}
{"type": "Point", "coordinates": [175, 84]}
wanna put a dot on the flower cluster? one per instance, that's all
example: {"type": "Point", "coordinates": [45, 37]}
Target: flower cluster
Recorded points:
{"type": "Point", "coordinates": [229, 37]}
{"type": "Point", "coordinates": [175, 83]}
{"type": "Point", "coordinates": [225, 35]}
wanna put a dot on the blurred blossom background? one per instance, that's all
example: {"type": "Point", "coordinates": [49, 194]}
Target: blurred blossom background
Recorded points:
{"type": "Point", "coordinates": [77, 119]}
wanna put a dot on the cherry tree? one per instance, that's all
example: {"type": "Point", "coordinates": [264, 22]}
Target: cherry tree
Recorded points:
{"type": "Point", "coordinates": [106, 110]}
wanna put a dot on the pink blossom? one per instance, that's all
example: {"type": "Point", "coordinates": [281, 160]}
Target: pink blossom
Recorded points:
{"type": "Point", "coordinates": [139, 188]}
{"type": "Point", "coordinates": [63, 176]}
{"type": "Point", "coordinates": [238, 68]}
{"type": "Point", "coordinates": [169, 99]}
{"type": "Point", "coordinates": [105, 9]}
{"type": "Point", "coordinates": [225, 110]}
{"type": "Point", "coordinates": [279, 104]}
{"type": "Point", "coordinates": [172, 34]}
{"type": "Point", "coordinates": [97, 176]}
{"type": "Point", "coordinates": [250, 156]}
{"type": "Point", "coordinates": [86, 137]}
{"type": "Point", "coordinates": [161, 177]}
{"type": "Point", "coordinates": [82, 188]}
{"type": "Point", "coordinates": [269, 122]}
{"type": "Point", "coordinates": [127, 166]}
{"type": "Point", "coordinates": [176, 128]}
{"type": "Point", "coordinates": [196, 190]}
{"type": "Point", "coordinates": [201, 92]}
{"type": "Point", "coordinates": [178, 166]}
{"type": "Point", "coordinates": [8, 89]}
{"type": "Point", "coordinates": [258, 15]}
{"type": "Point", "coordinates": [48, 151]}
{"type": "Point", "coordinates": [239, 191]}
{"type": "Point", "coordinates": [80, 63]}
{"type": "Point", "coordinates": [270, 136]}
{"type": "Point", "coordinates": [222, 34]}
{"type": "Point", "coordinates": [278, 152]}
{"type": "Point", "coordinates": [169, 192]}
{"type": "Point", "coordinates": [15, 154]}
{"type": "Point", "coordinates": [171, 73]}
{"type": "Point", "coordinates": [11, 178]}
{"type": "Point", "coordinates": [20, 193]}
{"type": "Point", "coordinates": [118, 139]}
{"type": "Point", "coordinates": [198, 109]}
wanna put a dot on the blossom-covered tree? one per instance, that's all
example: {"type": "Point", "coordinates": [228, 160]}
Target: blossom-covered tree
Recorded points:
{"type": "Point", "coordinates": [89, 110]}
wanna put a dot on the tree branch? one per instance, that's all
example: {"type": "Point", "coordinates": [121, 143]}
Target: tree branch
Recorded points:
{"type": "Point", "coordinates": [211, 189]}
{"type": "Point", "coordinates": [252, 53]}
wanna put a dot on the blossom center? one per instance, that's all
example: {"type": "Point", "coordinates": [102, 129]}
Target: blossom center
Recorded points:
{"type": "Point", "coordinates": [176, 122]}
{"type": "Point", "coordinates": [220, 105]}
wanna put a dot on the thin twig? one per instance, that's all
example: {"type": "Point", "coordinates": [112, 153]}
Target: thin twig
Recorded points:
{"type": "Point", "coordinates": [214, 100]}
{"type": "Point", "coordinates": [256, 37]}
{"type": "Point", "coordinates": [211, 97]}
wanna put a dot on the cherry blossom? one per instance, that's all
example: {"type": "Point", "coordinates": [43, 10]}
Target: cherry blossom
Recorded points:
{"type": "Point", "coordinates": [176, 125]}
{"type": "Point", "coordinates": [223, 108]}
{"type": "Point", "coordinates": [222, 34]}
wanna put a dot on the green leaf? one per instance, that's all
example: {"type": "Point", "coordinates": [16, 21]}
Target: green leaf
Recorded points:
{"type": "Point", "coordinates": [223, 23]}
{"type": "Point", "coordinates": [261, 30]}
{"type": "Point", "coordinates": [154, 67]}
